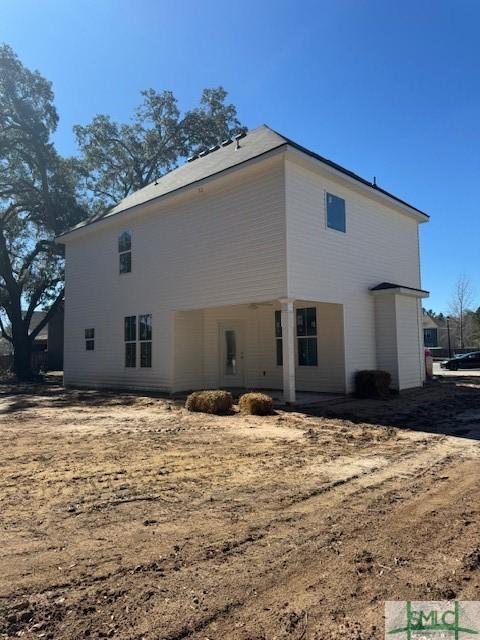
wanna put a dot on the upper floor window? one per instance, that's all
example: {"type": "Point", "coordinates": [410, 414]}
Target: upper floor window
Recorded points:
{"type": "Point", "coordinates": [336, 213]}
{"type": "Point", "coordinates": [125, 252]}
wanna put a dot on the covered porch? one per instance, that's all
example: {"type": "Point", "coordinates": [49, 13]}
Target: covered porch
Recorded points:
{"type": "Point", "coordinates": [287, 346]}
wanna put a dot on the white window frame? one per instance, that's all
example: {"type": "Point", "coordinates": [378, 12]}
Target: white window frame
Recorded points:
{"type": "Point", "coordinates": [129, 342]}
{"type": "Point", "coordinates": [143, 341]}
{"type": "Point", "coordinates": [325, 205]}
{"type": "Point", "coordinates": [122, 253]}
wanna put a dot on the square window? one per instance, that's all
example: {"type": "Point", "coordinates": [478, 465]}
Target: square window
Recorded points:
{"type": "Point", "coordinates": [145, 354]}
{"type": "Point", "coordinates": [89, 334]}
{"type": "Point", "coordinates": [430, 337]}
{"type": "Point", "coordinates": [125, 262]}
{"type": "Point", "coordinates": [130, 354]}
{"type": "Point", "coordinates": [336, 213]}
{"type": "Point", "coordinates": [90, 345]}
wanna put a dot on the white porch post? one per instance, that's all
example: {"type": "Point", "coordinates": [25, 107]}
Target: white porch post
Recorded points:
{"type": "Point", "coordinates": [288, 349]}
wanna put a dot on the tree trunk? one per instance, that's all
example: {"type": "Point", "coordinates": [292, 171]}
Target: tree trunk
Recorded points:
{"type": "Point", "coordinates": [22, 353]}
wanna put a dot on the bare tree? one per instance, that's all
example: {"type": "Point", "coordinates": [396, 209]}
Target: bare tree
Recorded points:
{"type": "Point", "coordinates": [461, 302]}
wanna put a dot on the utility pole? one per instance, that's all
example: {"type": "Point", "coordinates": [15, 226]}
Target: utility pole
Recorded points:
{"type": "Point", "coordinates": [448, 333]}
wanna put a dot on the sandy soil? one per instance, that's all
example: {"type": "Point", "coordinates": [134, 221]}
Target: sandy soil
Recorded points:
{"type": "Point", "coordinates": [125, 516]}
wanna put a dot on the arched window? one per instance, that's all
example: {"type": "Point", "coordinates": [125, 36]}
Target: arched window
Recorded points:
{"type": "Point", "coordinates": [125, 252]}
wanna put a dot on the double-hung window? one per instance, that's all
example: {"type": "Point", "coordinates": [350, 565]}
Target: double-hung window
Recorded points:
{"type": "Point", "coordinates": [131, 341]}
{"type": "Point", "coordinates": [307, 337]}
{"type": "Point", "coordinates": [278, 338]}
{"type": "Point", "coordinates": [125, 252]}
{"type": "Point", "coordinates": [145, 337]}
{"type": "Point", "coordinates": [336, 218]}
{"type": "Point", "coordinates": [89, 339]}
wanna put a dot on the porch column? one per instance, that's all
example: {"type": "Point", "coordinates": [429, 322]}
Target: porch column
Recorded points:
{"type": "Point", "coordinates": [288, 349]}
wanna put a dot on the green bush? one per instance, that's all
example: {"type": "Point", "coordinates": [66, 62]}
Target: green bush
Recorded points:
{"type": "Point", "coordinates": [256, 404]}
{"type": "Point", "coordinates": [372, 383]}
{"type": "Point", "coordinates": [217, 402]}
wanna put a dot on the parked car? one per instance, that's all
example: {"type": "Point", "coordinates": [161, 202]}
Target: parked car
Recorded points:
{"type": "Point", "coordinates": [465, 361]}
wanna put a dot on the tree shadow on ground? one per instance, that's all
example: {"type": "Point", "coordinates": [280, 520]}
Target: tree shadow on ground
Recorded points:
{"type": "Point", "coordinates": [16, 397]}
{"type": "Point", "coordinates": [442, 407]}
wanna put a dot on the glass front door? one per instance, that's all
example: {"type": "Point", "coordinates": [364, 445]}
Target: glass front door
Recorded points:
{"type": "Point", "coordinates": [231, 354]}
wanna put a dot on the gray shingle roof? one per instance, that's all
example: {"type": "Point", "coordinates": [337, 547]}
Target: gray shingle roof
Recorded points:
{"type": "Point", "coordinates": [385, 286]}
{"type": "Point", "coordinates": [254, 144]}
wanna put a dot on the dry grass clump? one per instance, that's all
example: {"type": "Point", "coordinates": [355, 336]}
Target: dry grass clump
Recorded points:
{"type": "Point", "coordinates": [217, 402]}
{"type": "Point", "coordinates": [256, 404]}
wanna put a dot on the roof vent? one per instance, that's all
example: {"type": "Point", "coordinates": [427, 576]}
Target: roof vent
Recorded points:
{"type": "Point", "coordinates": [237, 139]}
{"type": "Point", "coordinates": [374, 183]}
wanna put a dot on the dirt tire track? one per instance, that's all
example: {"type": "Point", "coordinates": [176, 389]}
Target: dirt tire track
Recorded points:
{"type": "Point", "coordinates": [287, 526]}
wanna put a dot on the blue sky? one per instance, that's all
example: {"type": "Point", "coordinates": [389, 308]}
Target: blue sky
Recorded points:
{"type": "Point", "coordinates": [384, 87]}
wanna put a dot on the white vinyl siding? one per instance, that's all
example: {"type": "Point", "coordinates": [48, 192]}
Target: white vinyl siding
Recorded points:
{"type": "Point", "coordinates": [197, 333]}
{"type": "Point", "coordinates": [381, 245]}
{"type": "Point", "coordinates": [386, 335]}
{"type": "Point", "coordinates": [223, 251]}
{"type": "Point", "coordinates": [410, 347]}
{"type": "Point", "coordinates": [398, 338]}
{"type": "Point", "coordinates": [222, 245]}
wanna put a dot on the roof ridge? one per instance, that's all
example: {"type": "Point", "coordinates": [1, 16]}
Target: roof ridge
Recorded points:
{"type": "Point", "coordinates": [257, 142]}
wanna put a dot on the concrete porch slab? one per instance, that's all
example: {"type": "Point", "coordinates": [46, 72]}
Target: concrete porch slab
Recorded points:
{"type": "Point", "coordinates": [304, 398]}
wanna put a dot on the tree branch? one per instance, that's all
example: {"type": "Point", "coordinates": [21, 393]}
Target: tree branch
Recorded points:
{"type": "Point", "coordinates": [42, 245]}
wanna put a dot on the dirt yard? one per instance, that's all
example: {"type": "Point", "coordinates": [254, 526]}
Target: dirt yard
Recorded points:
{"type": "Point", "coordinates": [126, 517]}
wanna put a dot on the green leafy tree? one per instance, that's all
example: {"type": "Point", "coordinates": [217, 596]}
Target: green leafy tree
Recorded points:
{"type": "Point", "coordinates": [38, 199]}
{"type": "Point", "coordinates": [119, 159]}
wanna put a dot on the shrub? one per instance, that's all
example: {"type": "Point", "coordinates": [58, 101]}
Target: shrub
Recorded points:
{"type": "Point", "coordinates": [256, 404]}
{"type": "Point", "coordinates": [372, 383]}
{"type": "Point", "coordinates": [217, 402]}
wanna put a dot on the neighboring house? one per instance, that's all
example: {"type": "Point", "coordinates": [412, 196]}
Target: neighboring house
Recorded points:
{"type": "Point", "coordinates": [50, 338]}
{"type": "Point", "coordinates": [258, 264]}
{"type": "Point", "coordinates": [430, 331]}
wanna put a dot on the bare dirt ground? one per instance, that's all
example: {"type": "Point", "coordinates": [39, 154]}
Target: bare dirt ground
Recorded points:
{"type": "Point", "coordinates": [124, 516]}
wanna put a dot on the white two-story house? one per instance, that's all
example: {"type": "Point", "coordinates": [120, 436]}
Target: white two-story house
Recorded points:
{"type": "Point", "coordinates": [257, 265]}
